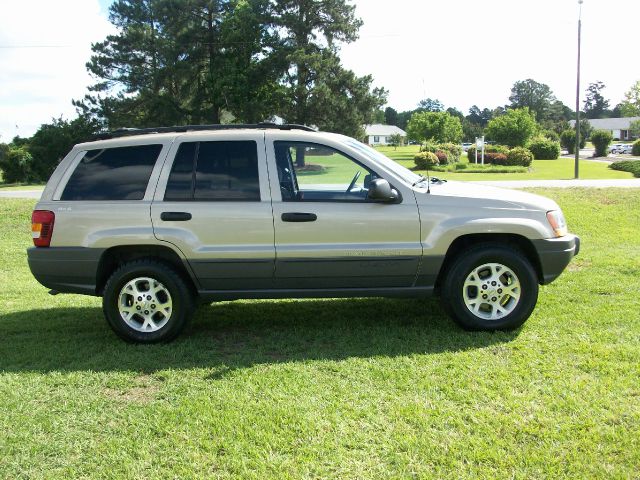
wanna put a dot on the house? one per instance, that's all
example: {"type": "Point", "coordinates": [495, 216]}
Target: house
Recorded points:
{"type": "Point", "coordinates": [619, 127]}
{"type": "Point", "coordinates": [378, 134]}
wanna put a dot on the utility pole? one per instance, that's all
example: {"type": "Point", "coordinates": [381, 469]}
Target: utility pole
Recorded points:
{"type": "Point", "coordinates": [577, 147]}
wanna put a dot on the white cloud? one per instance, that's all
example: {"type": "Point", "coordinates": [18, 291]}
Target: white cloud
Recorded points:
{"type": "Point", "coordinates": [467, 52]}
{"type": "Point", "coordinates": [37, 84]}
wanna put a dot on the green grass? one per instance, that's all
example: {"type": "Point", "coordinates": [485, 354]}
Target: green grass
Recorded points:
{"type": "Point", "coordinates": [362, 388]}
{"type": "Point", "coordinates": [560, 169]}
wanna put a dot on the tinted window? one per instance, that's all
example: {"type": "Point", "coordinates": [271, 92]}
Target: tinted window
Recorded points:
{"type": "Point", "coordinates": [180, 184]}
{"type": "Point", "coordinates": [224, 171]}
{"type": "Point", "coordinates": [112, 174]}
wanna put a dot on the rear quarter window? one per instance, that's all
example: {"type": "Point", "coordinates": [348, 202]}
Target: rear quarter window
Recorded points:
{"type": "Point", "coordinates": [120, 173]}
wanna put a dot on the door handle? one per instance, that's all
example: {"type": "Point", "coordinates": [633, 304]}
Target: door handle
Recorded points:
{"type": "Point", "coordinates": [175, 216]}
{"type": "Point", "coordinates": [299, 217]}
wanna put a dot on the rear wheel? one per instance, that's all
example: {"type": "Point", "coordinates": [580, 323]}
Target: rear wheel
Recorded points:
{"type": "Point", "coordinates": [490, 287]}
{"type": "Point", "coordinates": [146, 302]}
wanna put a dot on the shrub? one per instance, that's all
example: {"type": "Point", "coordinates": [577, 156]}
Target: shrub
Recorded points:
{"type": "Point", "coordinates": [632, 166]}
{"type": "Point", "coordinates": [519, 156]}
{"type": "Point", "coordinates": [544, 149]}
{"type": "Point", "coordinates": [601, 140]}
{"type": "Point", "coordinates": [495, 158]}
{"type": "Point", "coordinates": [471, 153]}
{"type": "Point", "coordinates": [17, 165]}
{"type": "Point", "coordinates": [568, 140]}
{"type": "Point", "coordinates": [551, 135]}
{"type": "Point", "coordinates": [635, 148]}
{"type": "Point", "coordinates": [442, 157]}
{"type": "Point", "coordinates": [451, 150]}
{"type": "Point", "coordinates": [424, 160]}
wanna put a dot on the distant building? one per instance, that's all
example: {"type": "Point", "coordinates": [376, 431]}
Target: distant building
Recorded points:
{"type": "Point", "coordinates": [378, 134]}
{"type": "Point", "coordinates": [619, 127]}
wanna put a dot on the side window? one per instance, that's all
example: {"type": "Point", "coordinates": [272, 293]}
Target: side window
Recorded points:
{"type": "Point", "coordinates": [312, 172]}
{"type": "Point", "coordinates": [120, 173]}
{"type": "Point", "coordinates": [215, 171]}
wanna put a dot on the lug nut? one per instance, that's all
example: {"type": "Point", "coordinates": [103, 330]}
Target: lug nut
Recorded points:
{"type": "Point", "coordinates": [153, 306]}
{"type": "Point", "coordinates": [499, 290]}
{"type": "Point", "coordinates": [146, 312]}
{"type": "Point", "coordinates": [493, 299]}
{"type": "Point", "coordinates": [484, 296]}
{"type": "Point", "coordinates": [493, 284]}
{"type": "Point", "coordinates": [148, 297]}
{"type": "Point", "coordinates": [138, 307]}
{"type": "Point", "coordinates": [484, 287]}
{"type": "Point", "coordinates": [139, 299]}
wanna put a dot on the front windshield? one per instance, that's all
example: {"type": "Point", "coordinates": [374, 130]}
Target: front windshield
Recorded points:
{"type": "Point", "coordinates": [378, 157]}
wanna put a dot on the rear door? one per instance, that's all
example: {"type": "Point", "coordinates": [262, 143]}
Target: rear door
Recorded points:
{"type": "Point", "coordinates": [213, 203]}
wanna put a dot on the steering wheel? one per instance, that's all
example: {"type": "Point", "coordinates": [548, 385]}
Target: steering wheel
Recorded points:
{"type": "Point", "coordinates": [353, 182]}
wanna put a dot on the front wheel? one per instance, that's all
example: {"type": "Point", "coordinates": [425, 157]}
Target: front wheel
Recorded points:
{"type": "Point", "coordinates": [145, 301]}
{"type": "Point", "coordinates": [490, 288]}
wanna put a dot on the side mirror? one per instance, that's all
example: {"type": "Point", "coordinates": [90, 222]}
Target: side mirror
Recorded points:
{"type": "Point", "coordinates": [381, 191]}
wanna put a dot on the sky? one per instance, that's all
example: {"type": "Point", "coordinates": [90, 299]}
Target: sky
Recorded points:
{"type": "Point", "coordinates": [462, 52]}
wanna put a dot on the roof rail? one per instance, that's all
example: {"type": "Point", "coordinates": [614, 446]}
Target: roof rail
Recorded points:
{"type": "Point", "coordinates": [127, 132]}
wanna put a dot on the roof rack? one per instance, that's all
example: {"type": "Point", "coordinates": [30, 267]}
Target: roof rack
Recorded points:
{"type": "Point", "coordinates": [127, 132]}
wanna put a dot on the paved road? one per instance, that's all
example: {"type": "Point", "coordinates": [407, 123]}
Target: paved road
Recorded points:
{"type": "Point", "coordinates": [608, 183]}
{"type": "Point", "coordinates": [21, 194]}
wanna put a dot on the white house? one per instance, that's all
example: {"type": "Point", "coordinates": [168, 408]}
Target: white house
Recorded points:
{"type": "Point", "coordinates": [378, 134]}
{"type": "Point", "coordinates": [619, 127]}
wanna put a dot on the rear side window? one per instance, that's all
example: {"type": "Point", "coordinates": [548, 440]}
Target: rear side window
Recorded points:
{"type": "Point", "coordinates": [120, 173]}
{"type": "Point", "coordinates": [215, 171]}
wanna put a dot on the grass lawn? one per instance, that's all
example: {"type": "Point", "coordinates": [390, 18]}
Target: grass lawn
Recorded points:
{"type": "Point", "coordinates": [540, 170]}
{"type": "Point", "coordinates": [364, 388]}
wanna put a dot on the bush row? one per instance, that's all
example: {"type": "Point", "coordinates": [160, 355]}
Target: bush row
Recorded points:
{"type": "Point", "coordinates": [501, 155]}
{"type": "Point", "coordinates": [446, 152]}
{"type": "Point", "coordinates": [632, 166]}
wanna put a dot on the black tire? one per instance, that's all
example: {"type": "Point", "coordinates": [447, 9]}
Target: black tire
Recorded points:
{"type": "Point", "coordinates": [181, 298]}
{"type": "Point", "coordinates": [452, 292]}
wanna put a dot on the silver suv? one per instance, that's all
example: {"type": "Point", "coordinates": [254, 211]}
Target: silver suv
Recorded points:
{"type": "Point", "coordinates": [158, 220]}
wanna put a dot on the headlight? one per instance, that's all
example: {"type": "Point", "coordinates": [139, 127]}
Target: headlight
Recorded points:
{"type": "Point", "coordinates": [557, 222]}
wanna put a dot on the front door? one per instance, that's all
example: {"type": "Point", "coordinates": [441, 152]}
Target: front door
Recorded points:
{"type": "Point", "coordinates": [213, 203]}
{"type": "Point", "coordinates": [327, 233]}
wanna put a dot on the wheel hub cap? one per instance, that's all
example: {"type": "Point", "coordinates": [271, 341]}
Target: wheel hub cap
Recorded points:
{"type": "Point", "coordinates": [491, 291]}
{"type": "Point", "coordinates": [145, 304]}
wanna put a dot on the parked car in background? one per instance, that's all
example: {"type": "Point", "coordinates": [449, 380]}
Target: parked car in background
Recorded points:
{"type": "Point", "coordinates": [465, 146]}
{"type": "Point", "coordinates": [616, 147]}
{"type": "Point", "coordinates": [626, 148]}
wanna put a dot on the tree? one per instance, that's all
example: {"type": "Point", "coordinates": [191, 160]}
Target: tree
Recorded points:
{"type": "Point", "coordinates": [395, 140]}
{"type": "Point", "coordinates": [537, 97]}
{"type": "Point", "coordinates": [630, 106]}
{"type": "Point", "coordinates": [595, 104]}
{"type": "Point", "coordinates": [430, 105]}
{"type": "Point", "coordinates": [54, 140]}
{"type": "Point", "coordinates": [16, 163]}
{"type": "Point", "coordinates": [317, 89]}
{"type": "Point", "coordinates": [514, 128]}
{"type": "Point", "coordinates": [435, 126]}
{"type": "Point", "coordinates": [455, 112]}
{"type": "Point", "coordinates": [470, 130]}
{"type": "Point", "coordinates": [390, 116]}
{"type": "Point", "coordinates": [479, 117]}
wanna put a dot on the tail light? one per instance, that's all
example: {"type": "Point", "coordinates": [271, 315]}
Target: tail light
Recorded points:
{"type": "Point", "coordinates": [42, 227]}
